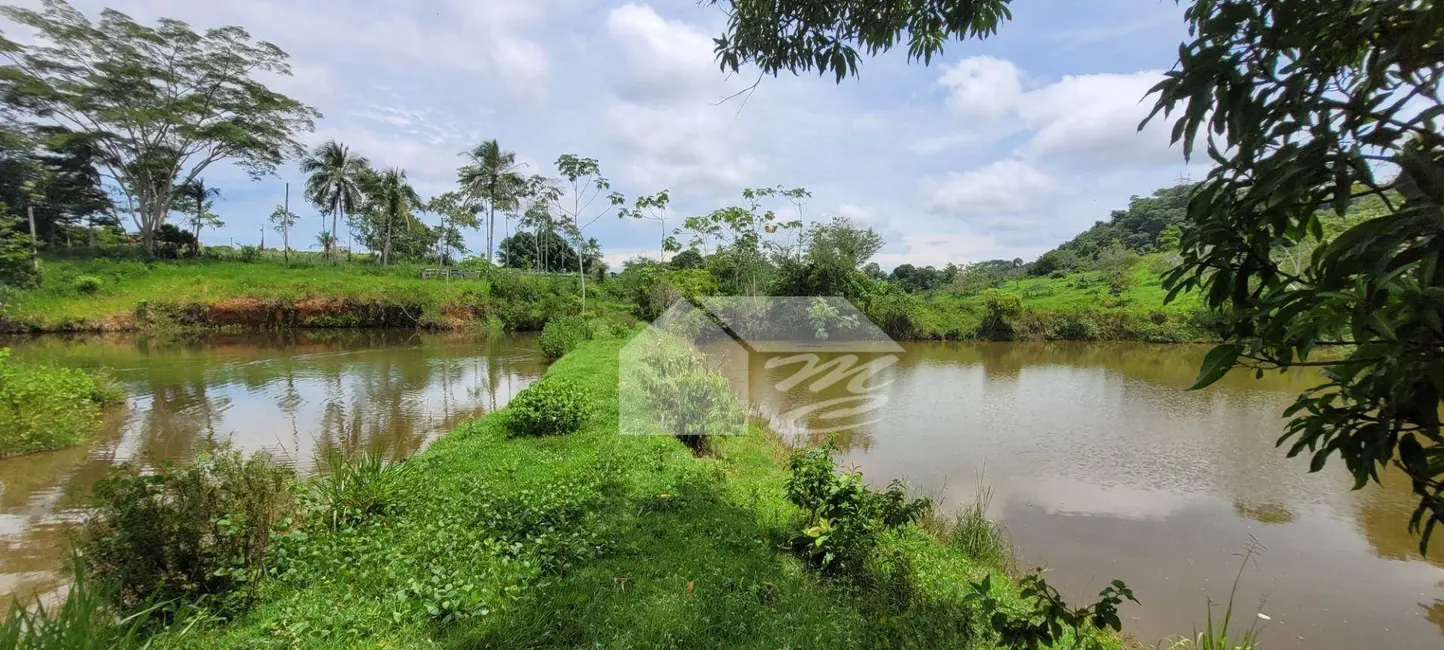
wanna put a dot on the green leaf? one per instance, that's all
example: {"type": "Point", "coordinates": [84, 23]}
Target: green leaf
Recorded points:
{"type": "Point", "coordinates": [1216, 364]}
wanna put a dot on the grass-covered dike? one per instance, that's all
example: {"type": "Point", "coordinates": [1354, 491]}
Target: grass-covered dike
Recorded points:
{"type": "Point", "coordinates": [496, 537]}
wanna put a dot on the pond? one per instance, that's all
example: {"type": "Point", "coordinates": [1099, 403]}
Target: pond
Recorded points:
{"type": "Point", "coordinates": [1100, 465]}
{"type": "Point", "coordinates": [299, 395]}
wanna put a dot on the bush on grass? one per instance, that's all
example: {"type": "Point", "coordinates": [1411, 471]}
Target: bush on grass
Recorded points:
{"type": "Point", "coordinates": [189, 533]}
{"type": "Point", "coordinates": [550, 407]}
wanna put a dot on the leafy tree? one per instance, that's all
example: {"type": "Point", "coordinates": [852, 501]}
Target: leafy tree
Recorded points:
{"type": "Point", "coordinates": [687, 259]}
{"type": "Point", "coordinates": [587, 184]}
{"type": "Point", "coordinates": [195, 201]}
{"type": "Point", "coordinates": [745, 238]}
{"type": "Point", "coordinates": [538, 197]}
{"type": "Point", "coordinates": [334, 184]}
{"type": "Point", "coordinates": [171, 240]}
{"type": "Point", "coordinates": [1116, 264]}
{"type": "Point", "coordinates": [917, 279]}
{"type": "Point", "coordinates": [163, 103]}
{"type": "Point", "coordinates": [16, 267]}
{"type": "Point", "coordinates": [1305, 106]}
{"type": "Point", "coordinates": [834, 253]}
{"type": "Point", "coordinates": [68, 183]}
{"type": "Point", "coordinates": [284, 220]}
{"type": "Point", "coordinates": [491, 176]}
{"type": "Point", "coordinates": [456, 213]}
{"type": "Point", "coordinates": [390, 207]}
{"type": "Point", "coordinates": [551, 254]}
{"type": "Point", "coordinates": [653, 208]}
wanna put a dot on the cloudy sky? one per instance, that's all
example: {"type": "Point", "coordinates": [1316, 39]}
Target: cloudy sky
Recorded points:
{"type": "Point", "coordinates": [1000, 148]}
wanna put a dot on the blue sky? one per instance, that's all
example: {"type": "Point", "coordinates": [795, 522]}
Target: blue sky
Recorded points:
{"type": "Point", "coordinates": [1000, 148]}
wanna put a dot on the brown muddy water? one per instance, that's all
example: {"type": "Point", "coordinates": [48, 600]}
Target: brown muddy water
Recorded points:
{"type": "Point", "coordinates": [1102, 466]}
{"type": "Point", "coordinates": [299, 395]}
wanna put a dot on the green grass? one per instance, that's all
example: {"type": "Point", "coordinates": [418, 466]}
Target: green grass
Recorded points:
{"type": "Point", "coordinates": [1138, 313]}
{"type": "Point", "coordinates": [44, 407]}
{"type": "Point", "coordinates": [594, 539]}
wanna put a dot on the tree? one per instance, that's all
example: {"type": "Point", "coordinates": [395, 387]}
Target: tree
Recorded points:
{"type": "Point", "coordinates": [390, 205]}
{"type": "Point", "coordinates": [1116, 264]}
{"type": "Point", "coordinates": [164, 103]}
{"type": "Point", "coordinates": [535, 202]}
{"type": "Point", "coordinates": [522, 250]}
{"type": "Point", "coordinates": [587, 184]}
{"type": "Point", "coordinates": [456, 213]}
{"type": "Point", "coordinates": [195, 200]}
{"type": "Point", "coordinates": [687, 259]}
{"type": "Point", "coordinates": [830, 266]}
{"type": "Point", "coordinates": [1304, 107]}
{"type": "Point", "coordinates": [284, 220]}
{"type": "Point", "coordinates": [491, 176]}
{"type": "Point", "coordinates": [652, 208]}
{"type": "Point", "coordinates": [333, 184]}
{"type": "Point", "coordinates": [744, 237]}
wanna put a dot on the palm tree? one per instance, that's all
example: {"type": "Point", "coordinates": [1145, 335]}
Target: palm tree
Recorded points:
{"type": "Point", "coordinates": [334, 184]}
{"type": "Point", "coordinates": [390, 202]}
{"type": "Point", "coordinates": [194, 195]}
{"type": "Point", "coordinates": [491, 176]}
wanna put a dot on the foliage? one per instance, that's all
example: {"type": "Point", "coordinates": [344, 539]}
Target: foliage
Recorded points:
{"type": "Point", "coordinates": [17, 269]}
{"type": "Point", "coordinates": [195, 200]}
{"type": "Point", "coordinates": [1116, 264]}
{"type": "Point", "coordinates": [358, 487]}
{"type": "Point", "coordinates": [587, 185]}
{"type": "Point", "coordinates": [283, 221]}
{"type": "Point", "coordinates": [185, 100]}
{"type": "Point", "coordinates": [844, 517]}
{"type": "Point", "coordinates": [189, 533]}
{"type": "Point", "coordinates": [550, 407]}
{"type": "Point", "coordinates": [1000, 310]}
{"type": "Point", "coordinates": [491, 176]}
{"type": "Point", "coordinates": [832, 254]}
{"type": "Point", "coordinates": [800, 35]}
{"type": "Point", "coordinates": [975, 536]}
{"type": "Point", "coordinates": [390, 206]}
{"type": "Point", "coordinates": [1139, 229]}
{"type": "Point", "coordinates": [1046, 620]}
{"type": "Point", "coordinates": [84, 621]}
{"type": "Point", "coordinates": [524, 250]}
{"type": "Point", "coordinates": [561, 335]}
{"type": "Point", "coordinates": [1303, 107]}
{"type": "Point", "coordinates": [652, 208]}
{"type": "Point", "coordinates": [744, 238]}
{"type": "Point", "coordinates": [48, 407]}
{"type": "Point", "coordinates": [687, 259]}
{"type": "Point", "coordinates": [87, 284]}
{"type": "Point", "coordinates": [689, 399]}
{"type": "Point", "coordinates": [334, 184]}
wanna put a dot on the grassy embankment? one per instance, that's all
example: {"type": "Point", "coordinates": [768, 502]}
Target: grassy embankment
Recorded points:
{"type": "Point", "coordinates": [45, 407]}
{"type": "Point", "coordinates": [97, 295]}
{"type": "Point", "coordinates": [1077, 306]}
{"type": "Point", "coordinates": [123, 295]}
{"type": "Point", "coordinates": [594, 539]}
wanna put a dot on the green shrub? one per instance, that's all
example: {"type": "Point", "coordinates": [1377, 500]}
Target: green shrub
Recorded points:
{"type": "Point", "coordinates": [689, 399]}
{"type": "Point", "coordinates": [844, 517]}
{"type": "Point", "coordinates": [187, 533]}
{"type": "Point", "coordinates": [1075, 326]}
{"type": "Point", "coordinates": [86, 284]}
{"type": "Point", "coordinates": [48, 407]}
{"type": "Point", "coordinates": [550, 407]}
{"type": "Point", "coordinates": [1000, 309]}
{"type": "Point", "coordinates": [250, 253]}
{"type": "Point", "coordinates": [359, 487]}
{"type": "Point", "coordinates": [978, 538]}
{"type": "Point", "coordinates": [562, 334]}
{"type": "Point", "coordinates": [620, 330]}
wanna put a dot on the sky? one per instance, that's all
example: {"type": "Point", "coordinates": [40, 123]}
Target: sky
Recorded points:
{"type": "Point", "coordinates": [1000, 148]}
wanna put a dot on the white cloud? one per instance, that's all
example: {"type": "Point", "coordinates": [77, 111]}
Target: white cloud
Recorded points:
{"type": "Point", "coordinates": [664, 114]}
{"type": "Point", "coordinates": [1005, 188]}
{"type": "Point", "coordinates": [1084, 118]}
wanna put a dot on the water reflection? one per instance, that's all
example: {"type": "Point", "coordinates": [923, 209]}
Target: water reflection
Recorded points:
{"type": "Point", "coordinates": [299, 395]}
{"type": "Point", "coordinates": [1102, 466]}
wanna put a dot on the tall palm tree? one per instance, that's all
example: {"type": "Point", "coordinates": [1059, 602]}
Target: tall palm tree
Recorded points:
{"type": "Point", "coordinates": [194, 195]}
{"type": "Point", "coordinates": [391, 203]}
{"type": "Point", "coordinates": [334, 183]}
{"type": "Point", "coordinates": [491, 176]}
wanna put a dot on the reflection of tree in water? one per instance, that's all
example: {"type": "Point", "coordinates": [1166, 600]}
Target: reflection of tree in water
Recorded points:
{"type": "Point", "coordinates": [1435, 613]}
{"type": "Point", "coordinates": [1383, 512]}
{"type": "Point", "coordinates": [179, 419]}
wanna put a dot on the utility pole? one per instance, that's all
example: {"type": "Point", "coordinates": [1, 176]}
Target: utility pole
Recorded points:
{"type": "Point", "coordinates": [34, 246]}
{"type": "Point", "coordinates": [286, 225]}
